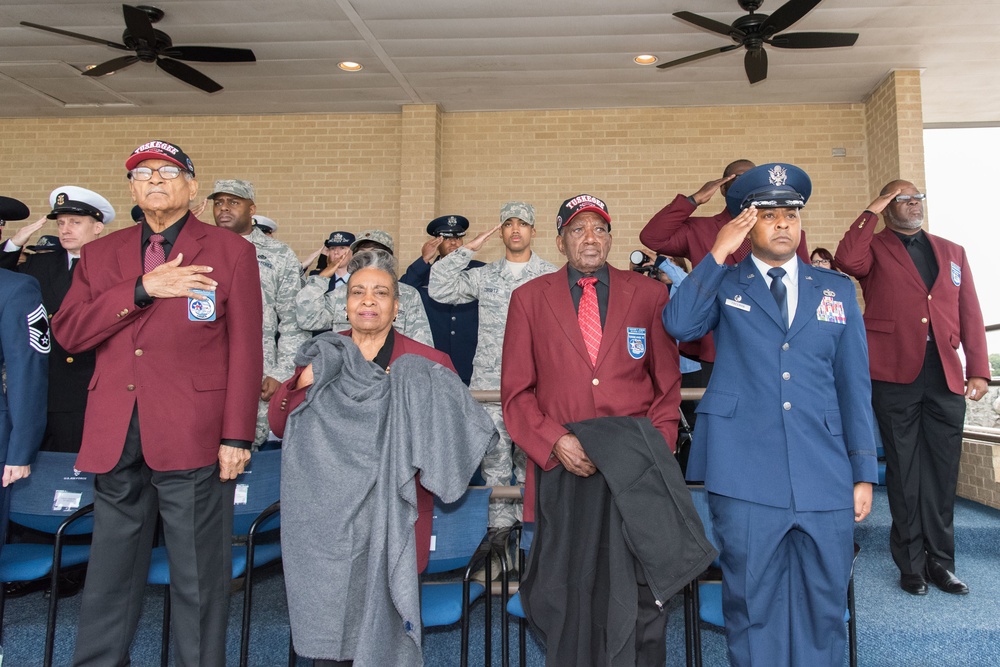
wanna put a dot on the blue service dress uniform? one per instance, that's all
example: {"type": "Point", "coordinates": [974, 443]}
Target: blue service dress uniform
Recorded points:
{"type": "Point", "coordinates": [25, 342]}
{"type": "Point", "coordinates": [455, 328]}
{"type": "Point", "coordinates": [784, 432]}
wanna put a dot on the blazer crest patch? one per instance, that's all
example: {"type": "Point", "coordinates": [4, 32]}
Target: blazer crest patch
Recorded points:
{"type": "Point", "coordinates": [956, 274]}
{"type": "Point", "coordinates": [636, 340]}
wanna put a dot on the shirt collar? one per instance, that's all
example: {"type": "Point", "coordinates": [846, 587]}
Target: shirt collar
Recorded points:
{"type": "Point", "coordinates": [791, 267]}
{"type": "Point", "coordinates": [601, 274]}
{"type": "Point", "coordinates": [169, 234]}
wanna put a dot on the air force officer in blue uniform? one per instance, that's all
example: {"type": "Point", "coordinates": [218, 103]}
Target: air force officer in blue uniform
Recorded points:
{"type": "Point", "coordinates": [784, 441]}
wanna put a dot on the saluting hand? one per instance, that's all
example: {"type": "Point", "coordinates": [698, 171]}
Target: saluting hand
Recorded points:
{"type": "Point", "coordinates": [20, 239]}
{"type": "Point", "coordinates": [709, 189]}
{"type": "Point", "coordinates": [430, 249]}
{"type": "Point", "coordinates": [475, 244]}
{"type": "Point", "coordinates": [170, 279]}
{"type": "Point", "coordinates": [732, 234]}
{"type": "Point", "coordinates": [882, 201]}
{"type": "Point", "coordinates": [570, 453]}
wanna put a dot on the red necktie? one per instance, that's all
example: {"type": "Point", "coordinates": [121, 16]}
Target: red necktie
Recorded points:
{"type": "Point", "coordinates": [589, 317]}
{"type": "Point", "coordinates": [154, 253]}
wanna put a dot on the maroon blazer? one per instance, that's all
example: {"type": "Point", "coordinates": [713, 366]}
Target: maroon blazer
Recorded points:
{"type": "Point", "coordinates": [287, 398]}
{"type": "Point", "coordinates": [674, 231]}
{"type": "Point", "coordinates": [548, 380]}
{"type": "Point", "coordinates": [196, 382]}
{"type": "Point", "coordinates": [899, 309]}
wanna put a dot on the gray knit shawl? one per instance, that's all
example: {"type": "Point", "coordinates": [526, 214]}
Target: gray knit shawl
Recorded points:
{"type": "Point", "coordinates": [348, 496]}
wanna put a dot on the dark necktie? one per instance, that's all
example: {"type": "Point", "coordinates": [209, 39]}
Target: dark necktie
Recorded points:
{"type": "Point", "coordinates": [915, 251]}
{"type": "Point", "coordinates": [779, 292]}
{"type": "Point", "coordinates": [72, 264]}
{"type": "Point", "coordinates": [589, 316]}
{"type": "Point", "coordinates": [154, 253]}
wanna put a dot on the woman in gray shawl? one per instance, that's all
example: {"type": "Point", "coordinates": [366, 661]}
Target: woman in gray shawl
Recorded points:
{"type": "Point", "coordinates": [335, 413]}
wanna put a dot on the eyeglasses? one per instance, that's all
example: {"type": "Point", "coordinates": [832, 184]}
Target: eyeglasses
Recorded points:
{"type": "Point", "coordinates": [166, 172]}
{"type": "Point", "coordinates": [903, 199]}
{"type": "Point", "coordinates": [818, 262]}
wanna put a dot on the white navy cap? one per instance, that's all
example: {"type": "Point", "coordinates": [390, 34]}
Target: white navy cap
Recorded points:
{"type": "Point", "coordinates": [80, 201]}
{"type": "Point", "coordinates": [265, 222]}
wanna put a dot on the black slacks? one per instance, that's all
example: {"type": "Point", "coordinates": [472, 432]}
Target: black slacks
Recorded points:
{"type": "Point", "coordinates": [921, 425]}
{"type": "Point", "coordinates": [197, 513]}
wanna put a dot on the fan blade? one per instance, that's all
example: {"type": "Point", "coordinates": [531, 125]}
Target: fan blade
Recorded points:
{"type": "Point", "coordinates": [755, 63]}
{"type": "Point", "coordinates": [813, 40]}
{"type": "Point", "coordinates": [67, 33]}
{"type": "Point", "coordinates": [210, 54]}
{"type": "Point", "coordinates": [111, 66]}
{"type": "Point", "coordinates": [786, 15]}
{"type": "Point", "coordinates": [698, 56]}
{"type": "Point", "coordinates": [188, 74]}
{"type": "Point", "coordinates": [138, 24]}
{"type": "Point", "coordinates": [709, 24]}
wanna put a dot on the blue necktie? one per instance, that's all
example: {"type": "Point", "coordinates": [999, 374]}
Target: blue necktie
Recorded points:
{"type": "Point", "coordinates": [779, 292]}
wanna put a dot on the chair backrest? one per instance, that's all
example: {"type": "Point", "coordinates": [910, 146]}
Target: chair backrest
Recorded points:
{"type": "Point", "coordinates": [527, 536]}
{"type": "Point", "coordinates": [458, 529]}
{"type": "Point", "coordinates": [700, 497]}
{"type": "Point", "coordinates": [257, 488]}
{"type": "Point", "coordinates": [53, 491]}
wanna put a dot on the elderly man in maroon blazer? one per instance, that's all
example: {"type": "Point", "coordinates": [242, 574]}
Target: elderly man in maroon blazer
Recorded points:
{"type": "Point", "coordinates": [556, 371]}
{"type": "Point", "coordinates": [920, 305]}
{"type": "Point", "coordinates": [173, 308]}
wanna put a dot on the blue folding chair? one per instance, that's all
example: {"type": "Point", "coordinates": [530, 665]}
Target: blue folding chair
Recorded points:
{"type": "Point", "coordinates": [458, 540]}
{"type": "Point", "coordinates": [707, 599]}
{"type": "Point", "coordinates": [511, 604]}
{"type": "Point", "coordinates": [256, 512]}
{"type": "Point", "coordinates": [58, 500]}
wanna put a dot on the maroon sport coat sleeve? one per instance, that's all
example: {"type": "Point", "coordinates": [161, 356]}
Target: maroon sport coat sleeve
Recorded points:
{"type": "Point", "coordinates": [667, 231]}
{"type": "Point", "coordinates": [854, 254]}
{"type": "Point", "coordinates": [972, 330]}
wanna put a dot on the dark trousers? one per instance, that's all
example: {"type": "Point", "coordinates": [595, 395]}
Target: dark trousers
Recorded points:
{"type": "Point", "coordinates": [197, 513]}
{"type": "Point", "coordinates": [921, 425]}
{"type": "Point", "coordinates": [63, 432]}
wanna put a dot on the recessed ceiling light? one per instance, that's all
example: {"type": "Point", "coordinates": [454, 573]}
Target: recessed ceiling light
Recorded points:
{"type": "Point", "coordinates": [349, 66]}
{"type": "Point", "coordinates": [645, 59]}
{"type": "Point", "coordinates": [90, 67]}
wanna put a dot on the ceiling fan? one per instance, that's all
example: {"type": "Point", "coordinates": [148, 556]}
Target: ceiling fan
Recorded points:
{"type": "Point", "coordinates": [151, 45]}
{"type": "Point", "coordinates": [753, 31]}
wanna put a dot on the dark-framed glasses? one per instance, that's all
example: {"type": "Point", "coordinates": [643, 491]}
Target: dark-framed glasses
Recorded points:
{"type": "Point", "coordinates": [167, 172]}
{"type": "Point", "coordinates": [820, 262]}
{"type": "Point", "coordinates": [904, 199]}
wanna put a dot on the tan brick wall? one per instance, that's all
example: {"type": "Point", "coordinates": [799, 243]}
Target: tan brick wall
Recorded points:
{"type": "Point", "coordinates": [895, 131]}
{"type": "Point", "coordinates": [979, 472]}
{"type": "Point", "coordinates": [317, 173]}
{"type": "Point", "coordinates": [313, 173]}
{"type": "Point", "coordinates": [638, 159]}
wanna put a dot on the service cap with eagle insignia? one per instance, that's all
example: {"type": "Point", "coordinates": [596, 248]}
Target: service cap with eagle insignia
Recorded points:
{"type": "Point", "coordinates": [772, 185]}
{"type": "Point", "coordinates": [339, 240]}
{"type": "Point", "coordinates": [448, 226]}
{"type": "Point", "coordinates": [39, 336]}
{"type": "Point", "coordinates": [73, 200]}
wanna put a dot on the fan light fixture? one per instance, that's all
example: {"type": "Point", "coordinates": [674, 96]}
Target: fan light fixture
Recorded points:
{"type": "Point", "coordinates": [645, 59]}
{"type": "Point", "coordinates": [349, 66]}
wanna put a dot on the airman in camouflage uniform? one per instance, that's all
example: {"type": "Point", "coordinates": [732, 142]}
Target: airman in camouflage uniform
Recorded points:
{"type": "Point", "coordinates": [318, 308]}
{"type": "Point", "coordinates": [492, 285]}
{"type": "Point", "coordinates": [280, 280]}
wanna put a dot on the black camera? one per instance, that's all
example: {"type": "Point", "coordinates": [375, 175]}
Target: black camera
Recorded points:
{"type": "Point", "coordinates": [644, 264]}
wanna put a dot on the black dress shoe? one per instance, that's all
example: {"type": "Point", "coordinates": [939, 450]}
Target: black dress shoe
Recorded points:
{"type": "Point", "coordinates": [914, 584]}
{"type": "Point", "coordinates": [944, 579]}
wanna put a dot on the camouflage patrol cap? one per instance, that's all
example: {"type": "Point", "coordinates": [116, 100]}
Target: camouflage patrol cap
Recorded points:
{"type": "Point", "coordinates": [233, 186]}
{"type": "Point", "coordinates": [378, 236]}
{"type": "Point", "coordinates": [518, 209]}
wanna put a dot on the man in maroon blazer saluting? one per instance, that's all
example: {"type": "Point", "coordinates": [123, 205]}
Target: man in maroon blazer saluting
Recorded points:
{"type": "Point", "coordinates": [920, 304]}
{"type": "Point", "coordinates": [173, 308]}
